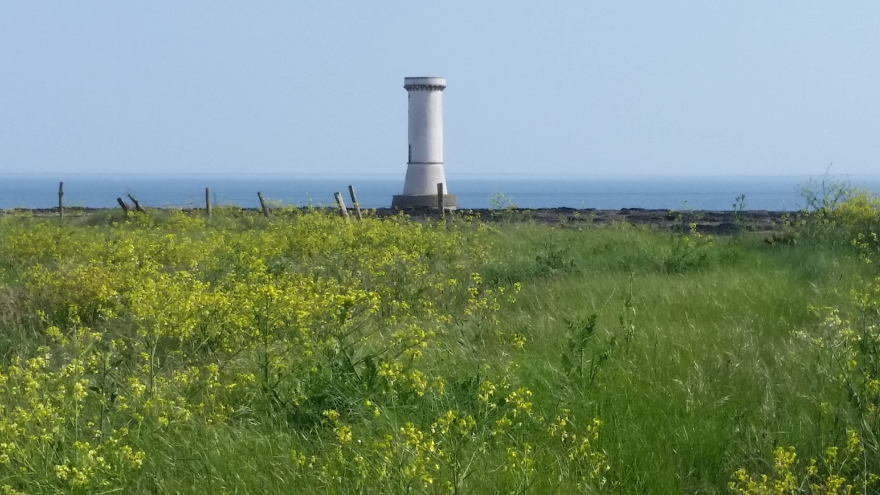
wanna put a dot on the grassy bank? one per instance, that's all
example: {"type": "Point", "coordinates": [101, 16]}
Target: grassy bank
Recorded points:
{"type": "Point", "coordinates": [169, 354]}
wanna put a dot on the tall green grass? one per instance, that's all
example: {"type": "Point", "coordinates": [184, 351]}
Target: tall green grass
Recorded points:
{"type": "Point", "coordinates": [709, 376]}
{"type": "Point", "coordinates": [696, 353]}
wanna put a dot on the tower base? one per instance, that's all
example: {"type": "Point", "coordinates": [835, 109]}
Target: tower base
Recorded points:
{"type": "Point", "coordinates": [401, 202]}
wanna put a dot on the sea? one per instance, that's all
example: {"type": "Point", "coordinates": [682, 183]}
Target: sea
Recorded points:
{"type": "Point", "coordinates": [777, 193]}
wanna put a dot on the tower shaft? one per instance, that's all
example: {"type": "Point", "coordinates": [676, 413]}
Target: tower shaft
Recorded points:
{"type": "Point", "coordinates": [424, 168]}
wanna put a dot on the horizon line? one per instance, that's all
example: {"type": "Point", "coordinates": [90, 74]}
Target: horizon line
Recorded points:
{"type": "Point", "coordinates": [452, 175]}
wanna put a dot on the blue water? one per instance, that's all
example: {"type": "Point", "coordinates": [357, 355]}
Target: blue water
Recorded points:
{"type": "Point", "coordinates": [699, 193]}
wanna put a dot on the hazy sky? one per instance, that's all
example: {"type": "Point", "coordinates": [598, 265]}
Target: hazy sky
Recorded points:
{"type": "Point", "coordinates": [307, 87]}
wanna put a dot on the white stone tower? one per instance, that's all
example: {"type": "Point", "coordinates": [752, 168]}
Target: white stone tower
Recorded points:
{"type": "Point", "coordinates": [424, 167]}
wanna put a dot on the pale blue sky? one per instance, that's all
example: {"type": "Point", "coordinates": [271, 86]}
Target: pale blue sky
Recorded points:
{"type": "Point", "coordinates": [534, 88]}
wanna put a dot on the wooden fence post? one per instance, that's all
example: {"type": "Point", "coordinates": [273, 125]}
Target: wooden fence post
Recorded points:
{"type": "Point", "coordinates": [440, 205]}
{"type": "Point", "coordinates": [264, 205]}
{"type": "Point", "coordinates": [339, 202]}
{"type": "Point", "coordinates": [208, 201]}
{"type": "Point", "coordinates": [125, 207]}
{"type": "Point", "coordinates": [137, 204]}
{"type": "Point", "coordinates": [354, 203]}
{"type": "Point", "coordinates": [61, 200]}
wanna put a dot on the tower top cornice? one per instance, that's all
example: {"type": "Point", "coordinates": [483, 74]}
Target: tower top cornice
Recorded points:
{"type": "Point", "coordinates": [424, 83]}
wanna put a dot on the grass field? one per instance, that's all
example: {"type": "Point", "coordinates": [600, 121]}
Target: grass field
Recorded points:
{"type": "Point", "coordinates": [166, 353]}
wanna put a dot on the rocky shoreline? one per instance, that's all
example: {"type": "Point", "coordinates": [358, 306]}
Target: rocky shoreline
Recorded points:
{"type": "Point", "coordinates": [707, 222]}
